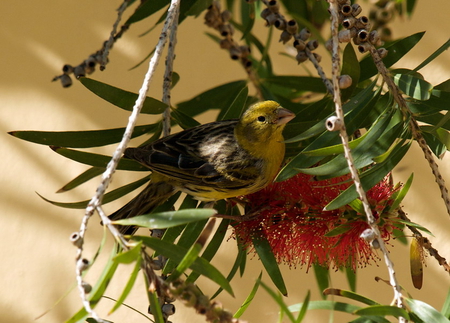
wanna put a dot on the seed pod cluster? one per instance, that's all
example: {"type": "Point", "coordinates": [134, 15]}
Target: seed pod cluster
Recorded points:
{"type": "Point", "coordinates": [381, 14]}
{"type": "Point", "coordinates": [290, 31]}
{"type": "Point", "coordinates": [219, 20]}
{"type": "Point", "coordinates": [356, 28]}
{"type": "Point", "coordinates": [85, 68]}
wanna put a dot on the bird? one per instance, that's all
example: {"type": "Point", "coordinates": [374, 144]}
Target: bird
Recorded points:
{"type": "Point", "coordinates": [212, 161]}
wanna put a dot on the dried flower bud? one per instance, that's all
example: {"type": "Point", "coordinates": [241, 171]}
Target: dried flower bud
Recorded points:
{"type": "Point", "coordinates": [329, 44]}
{"type": "Point", "coordinates": [383, 15]}
{"type": "Point", "coordinates": [79, 71]}
{"type": "Point", "coordinates": [168, 309]}
{"type": "Point", "coordinates": [317, 57]}
{"type": "Point", "coordinates": [265, 13]}
{"type": "Point", "coordinates": [67, 69]}
{"type": "Point", "coordinates": [270, 19]}
{"type": "Point", "coordinates": [356, 9]}
{"type": "Point", "coordinates": [245, 50]}
{"type": "Point", "coordinates": [83, 264]}
{"type": "Point", "coordinates": [299, 44]}
{"type": "Point", "coordinates": [226, 29]}
{"type": "Point", "coordinates": [375, 244]}
{"type": "Point", "coordinates": [86, 287]}
{"type": "Point", "coordinates": [226, 43]}
{"type": "Point", "coordinates": [226, 15]}
{"type": "Point", "coordinates": [292, 27]}
{"type": "Point", "coordinates": [364, 47]}
{"type": "Point", "coordinates": [374, 38]}
{"type": "Point", "coordinates": [362, 22]}
{"type": "Point", "coordinates": [274, 6]}
{"type": "Point", "coordinates": [235, 53]}
{"type": "Point", "coordinates": [368, 235]}
{"type": "Point", "coordinates": [342, 2]}
{"type": "Point", "coordinates": [312, 44]}
{"type": "Point", "coordinates": [285, 36]}
{"type": "Point", "coordinates": [65, 80]}
{"type": "Point", "coordinates": [346, 35]}
{"type": "Point", "coordinates": [382, 52]}
{"type": "Point", "coordinates": [75, 237]}
{"type": "Point", "coordinates": [348, 22]}
{"type": "Point", "coordinates": [333, 123]}
{"type": "Point", "coordinates": [304, 34]}
{"type": "Point", "coordinates": [280, 23]}
{"type": "Point", "coordinates": [301, 57]}
{"type": "Point", "coordinates": [345, 81]}
{"type": "Point", "coordinates": [363, 35]}
{"type": "Point", "coordinates": [346, 10]}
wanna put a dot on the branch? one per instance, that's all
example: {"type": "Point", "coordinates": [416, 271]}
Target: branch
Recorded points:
{"type": "Point", "coordinates": [96, 201]}
{"type": "Point", "coordinates": [374, 235]}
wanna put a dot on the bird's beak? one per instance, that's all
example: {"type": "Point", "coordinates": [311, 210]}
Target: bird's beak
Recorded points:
{"type": "Point", "coordinates": [284, 116]}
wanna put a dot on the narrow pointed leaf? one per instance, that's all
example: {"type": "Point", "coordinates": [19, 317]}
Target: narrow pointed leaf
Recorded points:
{"type": "Point", "coordinates": [322, 275]}
{"type": "Point", "coordinates": [164, 220]}
{"type": "Point", "coordinates": [383, 310]}
{"type": "Point", "coordinates": [82, 178]}
{"type": "Point", "coordinates": [249, 298]}
{"type": "Point", "coordinates": [98, 160]}
{"type": "Point", "coordinates": [185, 121]}
{"type": "Point", "coordinates": [433, 56]}
{"type": "Point", "coordinates": [129, 256]}
{"type": "Point", "coordinates": [269, 262]}
{"type": "Point", "coordinates": [176, 253]}
{"type": "Point", "coordinates": [235, 110]}
{"type": "Point", "coordinates": [121, 98]}
{"type": "Point", "coordinates": [81, 139]}
{"type": "Point", "coordinates": [279, 300]}
{"type": "Point", "coordinates": [110, 196]}
{"type": "Point", "coordinates": [402, 193]}
{"type": "Point", "coordinates": [145, 10]}
{"type": "Point", "coordinates": [351, 295]}
{"type": "Point", "coordinates": [303, 308]}
{"type": "Point", "coordinates": [129, 285]}
{"type": "Point", "coordinates": [412, 86]}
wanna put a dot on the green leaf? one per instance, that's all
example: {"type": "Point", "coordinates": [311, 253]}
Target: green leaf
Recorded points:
{"type": "Point", "coordinates": [240, 258]}
{"type": "Point", "coordinates": [249, 298]}
{"type": "Point", "coordinates": [265, 253]}
{"type": "Point", "coordinates": [129, 256]}
{"type": "Point", "coordinates": [340, 229]}
{"type": "Point", "coordinates": [177, 253]}
{"type": "Point", "coordinates": [370, 177]}
{"type": "Point", "coordinates": [446, 307]}
{"type": "Point", "coordinates": [80, 139]}
{"type": "Point", "coordinates": [304, 308]}
{"type": "Point", "coordinates": [412, 86]}
{"type": "Point", "coordinates": [322, 275]}
{"type": "Point", "coordinates": [146, 9]}
{"type": "Point", "coordinates": [279, 300]}
{"type": "Point", "coordinates": [220, 98]}
{"type": "Point", "coordinates": [294, 83]}
{"type": "Point", "coordinates": [213, 247]}
{"type": "Point", "coordinates": [184, 120]}
{"type": "Point", "coordinates": [326, 305]}
{"type": "Point", "coordinates": [121, 98]}
{"type": "Point", "coordinates": [433, 56]}
{"type": "Point", "coordinates": [351, 295]}
{"type": "Point", "coordinates": [396, 50]}
{"type": "Point", "coordinates": [108, 197]}
{"type": "Point", "coordinates": [82, 178]}
{"type": "Point", "coordinates": [130, 283]}
{"type": "Point", "coordinates": [190, 235]}
{"type": "Point", "coordinates": [155, 308]}
{"type": "Point", "coordinates": [164, 220]}
{"type": "Point", "coordinates": [350, 67]}
{"type": "Point", "coordinates": [415, 225]}
{"type": "Point", "coordinates": [248, 17]}
{"type": "Point", "coordinates": [235, 110]}
{"type": "Point", "coordinates": [98, 160]}
{"type": "Point", "coordinates": [351, 278]}
{"type": "Point", "coordinates": [400, 195]}
{"type": "Point", "coordinates": [188, 259]}
{"type": "Point", "coordinates": [383, 310]}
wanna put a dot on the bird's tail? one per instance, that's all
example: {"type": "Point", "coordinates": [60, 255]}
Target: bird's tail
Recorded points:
{"type": "Point", "coordinates": [155, 194]}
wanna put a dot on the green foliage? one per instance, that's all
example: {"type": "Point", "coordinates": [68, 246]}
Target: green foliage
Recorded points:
{"type": "Point", "coordinates": [384, 139]}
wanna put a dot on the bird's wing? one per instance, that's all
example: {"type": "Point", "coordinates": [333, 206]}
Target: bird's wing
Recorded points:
{"type": "Point", "coordinates": [204, 155]}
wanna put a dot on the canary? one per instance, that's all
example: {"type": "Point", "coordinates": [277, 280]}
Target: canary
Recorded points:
{"type": "Point", "coordinates": [212, 161]}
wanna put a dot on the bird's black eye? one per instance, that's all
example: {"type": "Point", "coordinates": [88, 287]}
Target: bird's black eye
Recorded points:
{"type": "Point", "coordinates": [261, 118]}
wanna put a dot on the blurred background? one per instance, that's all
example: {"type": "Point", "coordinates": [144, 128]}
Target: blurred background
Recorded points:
{"type": "Point", "coordinates": [37, 266]}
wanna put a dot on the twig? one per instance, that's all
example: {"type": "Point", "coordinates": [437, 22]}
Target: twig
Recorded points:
{"type": "Point", "coordinates": [354, 173]}
{"type": "Point", "coordinates": [96, 201]}
{"type": "Point", "coordinates": [167, 82]}
{"type": "Point", "coordinates": [415, 130]}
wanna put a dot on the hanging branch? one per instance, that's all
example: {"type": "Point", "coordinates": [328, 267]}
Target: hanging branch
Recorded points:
{"type": "Point", "coordinates": [96, 201]}
{"type": "Point", "coordinates": [337, 123]}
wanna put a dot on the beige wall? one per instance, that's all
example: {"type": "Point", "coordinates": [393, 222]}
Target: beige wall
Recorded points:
{"type": "Point", "coordinates": [37, 260]}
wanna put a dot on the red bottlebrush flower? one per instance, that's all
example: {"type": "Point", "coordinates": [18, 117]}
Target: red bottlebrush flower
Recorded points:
{"type": "Point", "coordinates": [290, 216]}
